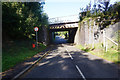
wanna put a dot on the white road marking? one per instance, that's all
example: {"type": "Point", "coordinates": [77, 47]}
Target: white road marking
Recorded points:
{"type": "Point", "coordinates": [80, 72]}
{"type": "Point", "coordinates": [69, 54]}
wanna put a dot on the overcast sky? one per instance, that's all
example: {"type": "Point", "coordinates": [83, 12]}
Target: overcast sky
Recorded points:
{"type": "Point", "coordinates": [58, 8]}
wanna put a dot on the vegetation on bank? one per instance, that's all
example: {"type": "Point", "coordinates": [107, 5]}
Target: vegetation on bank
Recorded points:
{"type": "Point", "coordinates": [112, 53]}
{"type": "Point", "coordinates": [63, 34]}
{"type": "Point", "coordinates": [18, 51]}
{"type": "Point", "coordinates": [20, 18]}
{"type": "Point", "coordinates": [104, 14]}
{"type": "Point", "coordinates": [18, 35]}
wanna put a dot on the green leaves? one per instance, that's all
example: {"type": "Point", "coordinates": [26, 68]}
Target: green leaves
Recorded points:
{"type": "Point", "coordinates": [20, 18]}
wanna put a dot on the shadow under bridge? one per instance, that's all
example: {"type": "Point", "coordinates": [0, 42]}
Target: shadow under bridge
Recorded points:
{"type": "Point", "coordinates": [70, 27]}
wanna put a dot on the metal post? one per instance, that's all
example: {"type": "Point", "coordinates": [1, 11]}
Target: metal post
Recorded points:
{"type": "Point", "coordinates": [105, 41]}
{"type": "Point", "coordinates": [106, 47]}
{"type": "Point", "coordinates": [104, 38]}
{"type": "Point", "coordinates": [93, 36]}
{"type": "Point", "coordinates": [36, 40]}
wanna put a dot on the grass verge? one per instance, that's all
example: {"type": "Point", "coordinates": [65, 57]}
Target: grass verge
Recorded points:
{"type": "Point", "coordinates": [111, 55]}
{"type": "Point", "coordinates": [17, 51]}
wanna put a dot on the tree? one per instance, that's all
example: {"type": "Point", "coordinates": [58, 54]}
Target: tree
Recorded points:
{"type": "Point", "coordinates": [20, 18]}
{"type": "Point", "coordinates": [114, 10]}
{"type": "Point", "coordinates": [103, 5]}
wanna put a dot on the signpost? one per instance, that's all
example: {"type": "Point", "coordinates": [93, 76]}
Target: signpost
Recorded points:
{"type": "Point", "coordinates": [36, 30]}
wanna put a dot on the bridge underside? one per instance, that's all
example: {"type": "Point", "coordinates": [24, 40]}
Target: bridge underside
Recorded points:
{"type": "Point", "coordinates": [64, 25]}
{"type": "Point", "coordinates": [71, 33]}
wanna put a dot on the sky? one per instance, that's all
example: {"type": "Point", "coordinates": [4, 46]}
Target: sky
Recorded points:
{"type": "Point", "coordinates": [59, 8]}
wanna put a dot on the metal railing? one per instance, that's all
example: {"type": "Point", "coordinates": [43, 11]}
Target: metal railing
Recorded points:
{"type": "Point", "coordinates": [64, 19]}
{"type": "Point", "coordinates": [105, 42]}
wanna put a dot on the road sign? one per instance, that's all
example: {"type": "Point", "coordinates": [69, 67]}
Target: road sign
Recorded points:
{"type": "Point", "coordinates": [36, 29]}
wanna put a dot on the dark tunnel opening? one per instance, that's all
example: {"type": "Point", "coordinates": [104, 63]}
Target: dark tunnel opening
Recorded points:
{"type": "Point", "coordinates": [62, 36]}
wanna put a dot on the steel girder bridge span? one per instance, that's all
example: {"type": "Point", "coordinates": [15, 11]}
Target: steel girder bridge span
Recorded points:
{"type": "Point", "coordinates": [69, 23]}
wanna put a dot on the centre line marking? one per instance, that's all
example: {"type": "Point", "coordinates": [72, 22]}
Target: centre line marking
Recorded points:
{"type": "Point", "coordinates": [69, 54]}
{"type": "Point", "coordinates": [80, 72]}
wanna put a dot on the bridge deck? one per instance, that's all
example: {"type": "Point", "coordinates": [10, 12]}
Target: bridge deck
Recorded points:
{"type": "Point", "coordinates": [63, 23]}
{"type": "Point", "coordinates": [64, 19]}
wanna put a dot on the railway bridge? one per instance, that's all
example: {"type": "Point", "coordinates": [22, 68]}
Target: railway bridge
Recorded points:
{"type": "Point", "coordinates": [65, 23]}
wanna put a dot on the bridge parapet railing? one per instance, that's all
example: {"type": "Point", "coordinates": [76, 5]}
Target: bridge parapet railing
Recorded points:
{"type": "Point", "coordinates": [65, 19]}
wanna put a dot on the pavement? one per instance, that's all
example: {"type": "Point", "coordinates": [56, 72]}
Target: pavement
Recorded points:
{"type": "Point", "coordinates": [66, 61]}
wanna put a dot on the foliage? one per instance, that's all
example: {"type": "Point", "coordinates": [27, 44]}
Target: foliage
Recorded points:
{"type": "Point", "coordinates": [62, 34]}
{"type": "Point", "coordinates": [114, 10]}
{"type": "Point", "coordinates": [85, 48]}
{"type": "Point", "coordinates": [18, 22]}
{"type": "Point", "coordinates": [110, 55]}
{"type": "Point", "coordinates": [107, 14]}
{"type": "Point", "coordinates": [20, 18]}
{"type": "Point", "coordinates": [98, 50]}
{"type": "Point", "coordinates": [88, 14]}
{"type": "Point", "coordinates": [18, 51]}
{"type": "Point", "coordinates": [103, 5]}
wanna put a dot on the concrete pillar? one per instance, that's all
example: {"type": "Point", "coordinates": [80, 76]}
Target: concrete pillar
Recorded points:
{"type": "Point", "coordinates": [69, 36]}
{"type": "Point", "coordinates": [72, 34]}
{"type": "Point", "coordinates": [77, 37]}
{"type": "Point", "coordinates": [50, 36]}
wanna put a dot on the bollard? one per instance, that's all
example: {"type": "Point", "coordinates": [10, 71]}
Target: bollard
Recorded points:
{"type": "Point", "coordinates": [33, 45]}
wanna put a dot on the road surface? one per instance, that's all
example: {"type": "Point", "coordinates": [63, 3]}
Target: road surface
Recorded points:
{"type": "Point", "coordinates": [59, 40]}
{"type": "Point", "coordinates": [66, 61]}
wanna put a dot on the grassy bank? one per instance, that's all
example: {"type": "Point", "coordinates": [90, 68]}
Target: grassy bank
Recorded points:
{"type": "Point", "coordinates": [98, 50]}
{"type": "Point", "coordinates": [15, 52]}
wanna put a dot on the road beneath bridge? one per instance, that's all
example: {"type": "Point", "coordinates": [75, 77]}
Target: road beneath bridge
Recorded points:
{"type": "Point", "coordinates": [66, 23]}
{"type": "Point", "coordinates": [66, 61]}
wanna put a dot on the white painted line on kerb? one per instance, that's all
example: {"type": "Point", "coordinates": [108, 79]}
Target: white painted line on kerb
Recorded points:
{"type": "Point", "coordinates": [69, 54]}
{"type": "Point", "coordinates": [80, 72]}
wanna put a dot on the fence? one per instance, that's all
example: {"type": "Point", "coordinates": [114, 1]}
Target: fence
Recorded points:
{"type": "Point", "coordinates": [90, 33]}
{"type": "Point", "coordinates": [110, 37]}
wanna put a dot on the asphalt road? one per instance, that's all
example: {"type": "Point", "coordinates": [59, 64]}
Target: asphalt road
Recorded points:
{"type": "Point", "coordinates": [59, 40]}
{"type": "Point", "coordinates": [66, 61]}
